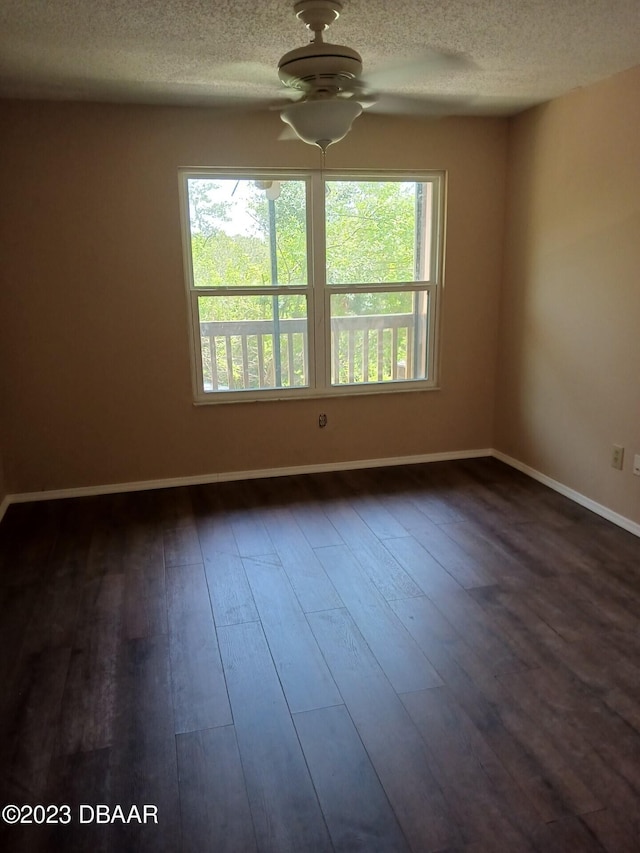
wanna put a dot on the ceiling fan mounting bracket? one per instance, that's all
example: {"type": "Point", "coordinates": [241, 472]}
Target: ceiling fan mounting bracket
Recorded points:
{"type": "Point", "coordinates": [317, 15]}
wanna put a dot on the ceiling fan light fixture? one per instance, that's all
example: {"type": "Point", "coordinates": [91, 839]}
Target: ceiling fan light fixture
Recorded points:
{"type": "Point", "coordinates": [322, 121]}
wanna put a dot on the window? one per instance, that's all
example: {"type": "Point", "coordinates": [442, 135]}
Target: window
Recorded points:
{"type": "Point", "coordinates": [307, 284]}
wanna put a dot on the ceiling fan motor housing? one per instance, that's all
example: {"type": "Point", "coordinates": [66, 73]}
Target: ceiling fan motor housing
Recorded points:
{"type": "Point", "coordinates": [320, 66]}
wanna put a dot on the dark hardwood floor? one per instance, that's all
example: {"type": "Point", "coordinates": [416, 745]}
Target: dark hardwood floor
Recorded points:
{"type": "Point", "coordinates": [425, 658]}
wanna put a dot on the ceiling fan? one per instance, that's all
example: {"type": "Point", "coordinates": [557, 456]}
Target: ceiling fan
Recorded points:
{"type": "Point", "coordinates": [326, 89]}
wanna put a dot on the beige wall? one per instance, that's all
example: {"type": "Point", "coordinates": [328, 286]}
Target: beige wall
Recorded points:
{"type": "Point", "coordinates": [94, 353]}
{"type": "Point", "coordinates": [3, 487]}
{"type": "Point", "coordinates": [569, 358]}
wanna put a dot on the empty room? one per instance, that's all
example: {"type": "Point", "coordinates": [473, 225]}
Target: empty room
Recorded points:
{"type": "Point", "coordinates": [320, 426]}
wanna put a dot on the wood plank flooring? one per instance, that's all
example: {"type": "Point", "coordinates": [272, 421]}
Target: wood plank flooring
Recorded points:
{"type": "Point", "coordinates": [439, 657]}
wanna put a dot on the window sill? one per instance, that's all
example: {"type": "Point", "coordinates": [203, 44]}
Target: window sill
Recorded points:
{"type": "Point", "coordinates": [279, 395]}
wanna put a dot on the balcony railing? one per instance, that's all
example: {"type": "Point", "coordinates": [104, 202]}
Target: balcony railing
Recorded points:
{"type": "Point", "coordinates": [239, 354]}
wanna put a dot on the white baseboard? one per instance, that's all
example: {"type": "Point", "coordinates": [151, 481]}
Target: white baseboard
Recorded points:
{"type": "Point", "coordinates": [259, 474]}
{"type": "Point", "coordinates": [144, 485]}
{"type": "Point", "coordinates": [577, 497]}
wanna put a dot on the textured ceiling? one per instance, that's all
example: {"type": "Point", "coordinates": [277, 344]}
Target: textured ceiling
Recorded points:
{"type": "Point", "coordinates": [519, 52]}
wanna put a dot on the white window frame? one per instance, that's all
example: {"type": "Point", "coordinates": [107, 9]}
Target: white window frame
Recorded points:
{"type": "Point", "coordinates": [317, 291]}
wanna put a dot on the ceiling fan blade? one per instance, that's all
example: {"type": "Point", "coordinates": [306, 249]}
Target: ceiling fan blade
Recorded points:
{"type": "Point", "coordinates": [288, 135]}
{"type": "Point", "coordinates": [416, 69]}
{"type": "Point", "coordinates": [236, 108]}
{"type": "Point", "coordinates": [257, 73]}
{"type": "Point", "coordinates": [416, 106]}
{"type": "Point", "coordinates": [245, 84]}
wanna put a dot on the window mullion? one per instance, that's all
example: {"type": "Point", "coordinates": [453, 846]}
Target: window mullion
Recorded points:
{"type": "Point", "coordinates": [399, 286]}
{"type": "Point", "coordinates": [257, 290]}
{"type": "Point", "coordinates": [321, 337]}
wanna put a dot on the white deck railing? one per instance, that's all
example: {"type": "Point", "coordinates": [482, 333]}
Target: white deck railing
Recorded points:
{"type": "Point", "coordinates": [239, 354]}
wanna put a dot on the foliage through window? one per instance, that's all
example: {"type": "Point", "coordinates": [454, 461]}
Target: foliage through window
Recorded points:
{"type": "Point", "coordinates": [306, 284]}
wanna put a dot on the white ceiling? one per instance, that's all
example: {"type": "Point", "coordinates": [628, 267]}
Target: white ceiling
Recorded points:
{"type": "Point", "coordinates": [521, 52]}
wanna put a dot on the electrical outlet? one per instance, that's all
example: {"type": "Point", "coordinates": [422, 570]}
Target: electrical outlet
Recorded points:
{"type": "Point", "coordinates": [617, 457]}
{"type": "Point", "coordinates": [636, 464]}
{"type": "Point", "coordinates": [322, 420]}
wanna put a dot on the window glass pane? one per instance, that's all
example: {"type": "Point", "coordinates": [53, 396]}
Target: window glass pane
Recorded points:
{"type": "Point", "coordinates": [378, 337]}
{"type": "Point", "coordinates": [251, 342]}
{"type": "Point", "coordinates": [247, 232]}
{"type": "Point", "coordinates": [378, 232]}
